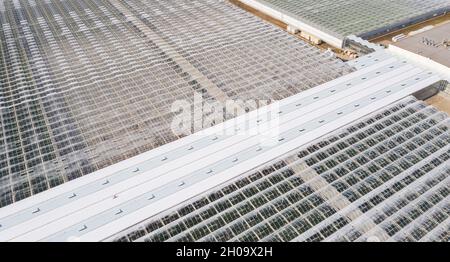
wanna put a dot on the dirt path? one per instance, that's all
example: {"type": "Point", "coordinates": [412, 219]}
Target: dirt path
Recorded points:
{"type": "Point", "coordinates": [441, 101]}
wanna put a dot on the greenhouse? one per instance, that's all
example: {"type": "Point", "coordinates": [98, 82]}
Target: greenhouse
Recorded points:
{"type": "Point", "coordinates": [111, 200]}
{"type": "Point", "coordinates": [87, 84]}
{"type": "Point", "coordinates": [356, 17]}
{"type": "Point", "coordinates": [348, 151]}
{"type": "Point", "coordinates": [384, 177]}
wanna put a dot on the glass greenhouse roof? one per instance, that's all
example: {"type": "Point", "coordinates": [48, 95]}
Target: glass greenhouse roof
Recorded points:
{"type": "Point", "coordinates": [342, 18]}
{"type": "Point", "coordinates": [86, 84]}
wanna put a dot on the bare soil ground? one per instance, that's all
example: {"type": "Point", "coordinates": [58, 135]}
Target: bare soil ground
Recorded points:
{"type": "Point", "coordinates": [441, 101]}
